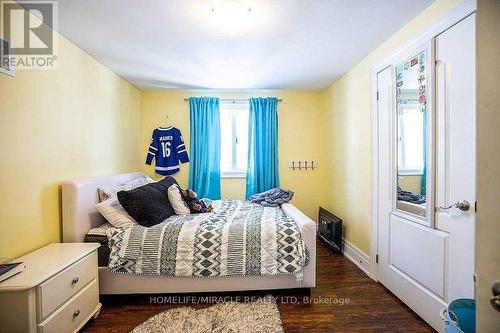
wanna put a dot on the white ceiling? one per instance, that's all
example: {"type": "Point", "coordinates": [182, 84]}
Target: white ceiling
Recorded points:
{"type": "Point", "coordinates": [280, 44]}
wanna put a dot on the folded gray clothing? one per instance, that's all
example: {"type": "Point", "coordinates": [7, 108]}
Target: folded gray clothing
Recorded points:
{"type": "Point", "coordinates": [272, 198]}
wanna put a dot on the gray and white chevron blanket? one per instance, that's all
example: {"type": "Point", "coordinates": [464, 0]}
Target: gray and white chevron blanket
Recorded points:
{"type": "Point", "coordinates": [237, 239]}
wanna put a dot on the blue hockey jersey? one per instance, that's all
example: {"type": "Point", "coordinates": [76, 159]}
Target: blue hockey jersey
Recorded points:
{"type": "Point", "coordinates": [167, 148]}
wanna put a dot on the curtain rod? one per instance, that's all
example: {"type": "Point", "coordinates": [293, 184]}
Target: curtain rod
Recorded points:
{"type": "Point", "coordinates": [233, 100]}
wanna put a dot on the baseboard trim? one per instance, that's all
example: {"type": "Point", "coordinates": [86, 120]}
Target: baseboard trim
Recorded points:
{"type": "Point", "coordinates": [358, 257]}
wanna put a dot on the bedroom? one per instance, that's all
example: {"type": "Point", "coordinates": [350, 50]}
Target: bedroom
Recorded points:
{"type": "Point", "coordinates": [81, 116]}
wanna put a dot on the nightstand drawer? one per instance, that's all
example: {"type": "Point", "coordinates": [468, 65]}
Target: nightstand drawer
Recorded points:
{"type": "Point", "coordinates": [70, 316]}
{"type": "Point", "coordinates": [57, 290]}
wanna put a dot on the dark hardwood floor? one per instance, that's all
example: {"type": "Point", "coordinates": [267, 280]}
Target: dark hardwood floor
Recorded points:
{"type": "Point", "coordinates": [368, 306]}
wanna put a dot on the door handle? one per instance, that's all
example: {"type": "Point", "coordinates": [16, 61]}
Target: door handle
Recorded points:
{"type": "Point", "coordinates": [463, 205]}
{"type": "Point", "coordinates": [495, 299]}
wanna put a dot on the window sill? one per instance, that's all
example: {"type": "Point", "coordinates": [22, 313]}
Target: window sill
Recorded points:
{"type": "Point", "coordinates": [233, 175]}
{"type": "Point", "coordinates": [410, 172]}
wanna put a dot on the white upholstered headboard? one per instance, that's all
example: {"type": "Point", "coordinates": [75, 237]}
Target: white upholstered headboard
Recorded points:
{"type": "Point", "coordinates": [78, 204]}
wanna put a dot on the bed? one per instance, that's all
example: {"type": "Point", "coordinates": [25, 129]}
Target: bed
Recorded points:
{"type": "Point", "coordinates": [79, 216]}
{"type": "Point", "coordinates": [410, 207]}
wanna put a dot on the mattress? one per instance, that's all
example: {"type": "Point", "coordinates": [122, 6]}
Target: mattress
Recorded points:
{"type": "Point", "coordinates": [98, 235]}
{"type": "Point", "coordinates": [417, 209]}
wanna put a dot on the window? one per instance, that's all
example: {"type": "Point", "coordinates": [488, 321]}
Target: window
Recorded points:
{"type": "Point", "coordinates": [411, 137]}
{"type": "Point", "coordinates": [234, 139]}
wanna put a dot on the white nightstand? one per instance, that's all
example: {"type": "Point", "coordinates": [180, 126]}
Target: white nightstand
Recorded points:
{"type": "Point", "coordinates": [57, 292]}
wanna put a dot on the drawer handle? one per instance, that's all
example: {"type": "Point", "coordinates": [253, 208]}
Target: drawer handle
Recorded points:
{"type": "Point", "coordinates": [76, 313]}
{"type": "Point", "coordinates": [75, 280]}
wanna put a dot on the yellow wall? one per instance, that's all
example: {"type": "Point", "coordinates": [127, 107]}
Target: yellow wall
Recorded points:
{"type": "Point", "coordinates": [79, 120]}
{"type": "Point", "coordinates": [411, 183]}
{"type": "Point", "coordinates": [347, 104]}
{"type": "Point", "coordinates": [301, 132]}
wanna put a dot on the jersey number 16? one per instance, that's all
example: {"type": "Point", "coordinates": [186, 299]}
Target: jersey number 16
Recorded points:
{"type": "Point", "coordinates": [165, 147]}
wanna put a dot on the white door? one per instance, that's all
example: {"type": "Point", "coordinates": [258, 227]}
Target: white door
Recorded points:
{"type": "Point", "coordinates": [426, 256]}
{"type": "Point", "coordinates": [456, 151]}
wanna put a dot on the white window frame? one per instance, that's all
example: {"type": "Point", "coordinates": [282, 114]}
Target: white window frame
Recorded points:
{"type": "Point", "coordinates": [234, 108]}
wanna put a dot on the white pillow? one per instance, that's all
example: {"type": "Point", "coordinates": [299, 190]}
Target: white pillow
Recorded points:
{"type": "Point", "coordinates": [113, 211]}
{"type": "Point", "coordinates": [178, 204]}
{"type": "Point", "coordinates": [108, 192]}
{"type": "Point", "coordinates": [101, 230]}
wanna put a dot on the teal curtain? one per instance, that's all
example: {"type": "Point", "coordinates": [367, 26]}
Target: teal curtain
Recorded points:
{"type": "Point", "coordinates": [204, 170]}
{"type": "Point", "coordinates": [423, 184]}
{"type": "Point", "coordinates": [262, 172]}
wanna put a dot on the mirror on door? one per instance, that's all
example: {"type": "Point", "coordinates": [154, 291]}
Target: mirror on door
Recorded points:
{"type": "Point", "coordinates": [411, 108]}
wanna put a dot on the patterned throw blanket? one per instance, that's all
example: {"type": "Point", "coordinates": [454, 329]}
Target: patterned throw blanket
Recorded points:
{"type": "Point", "coordinates": [237, 239]}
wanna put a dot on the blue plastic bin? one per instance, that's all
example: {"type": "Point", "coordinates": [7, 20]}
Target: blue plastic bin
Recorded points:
{"type": "Point", "coordinates": [460, 316]}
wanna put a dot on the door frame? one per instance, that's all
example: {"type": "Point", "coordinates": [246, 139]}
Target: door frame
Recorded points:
{"type": "Point", "coordinates": [467, 8]}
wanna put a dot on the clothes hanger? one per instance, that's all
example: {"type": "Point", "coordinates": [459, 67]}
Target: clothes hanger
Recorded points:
{"type": "Point", "coordinates": [167, 122]}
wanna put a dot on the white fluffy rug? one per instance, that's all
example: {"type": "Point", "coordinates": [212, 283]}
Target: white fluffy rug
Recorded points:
{"type": "Point", "coordinates": [261, 316]}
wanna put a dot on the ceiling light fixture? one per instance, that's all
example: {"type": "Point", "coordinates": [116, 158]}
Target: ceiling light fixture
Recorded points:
{"type": "Point", "coordinates": [232, 7]}
{"type": "Point", "coordinates": [232, 15]}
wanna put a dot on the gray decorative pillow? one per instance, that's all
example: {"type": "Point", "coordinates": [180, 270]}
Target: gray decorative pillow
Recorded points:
{"type": "Point", "coordinates": [108, 192]}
